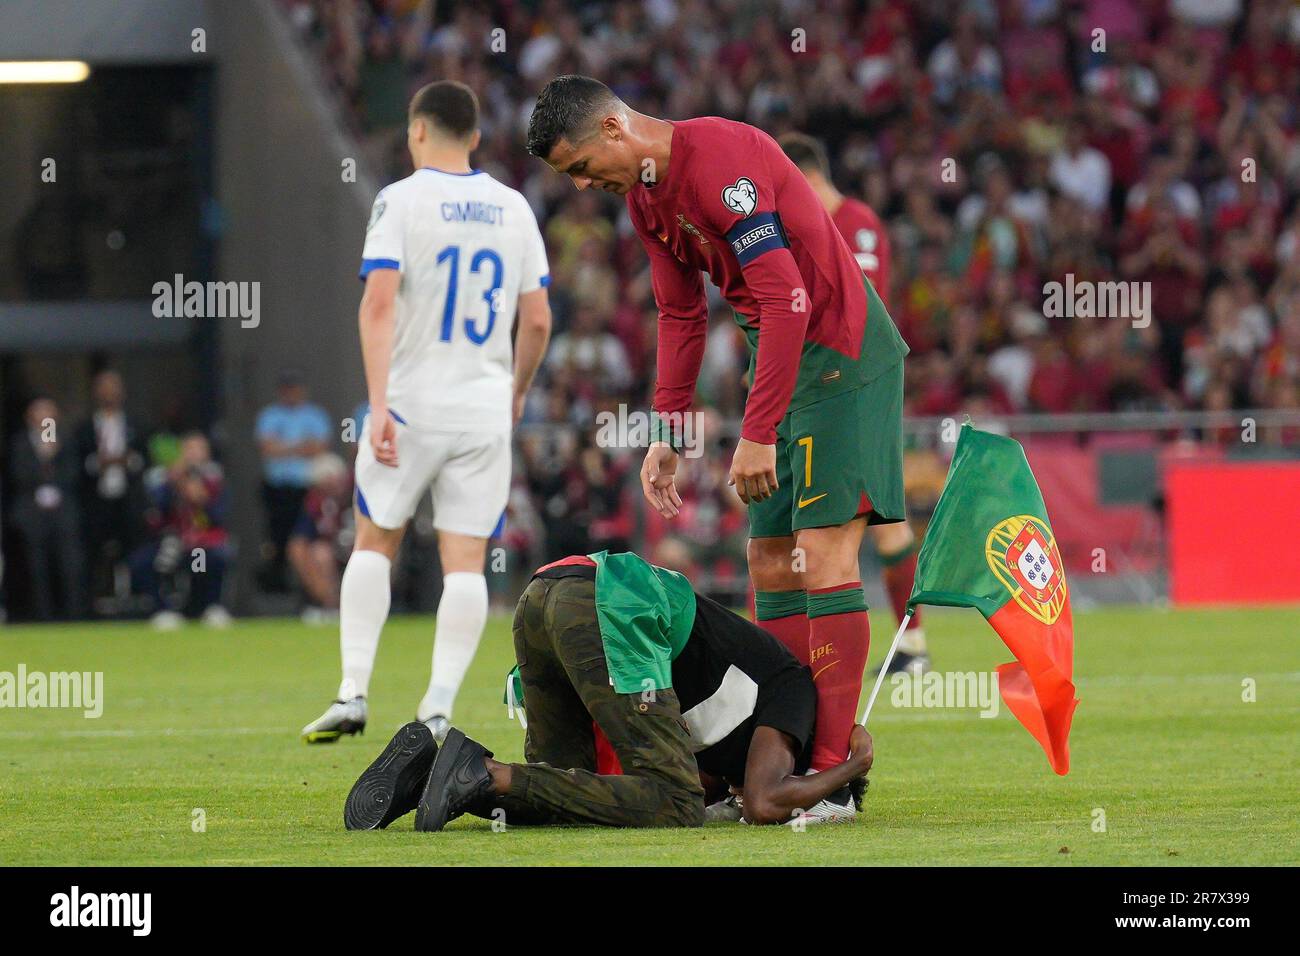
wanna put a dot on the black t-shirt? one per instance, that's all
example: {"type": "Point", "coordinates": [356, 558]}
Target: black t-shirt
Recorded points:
{"type": "Point", "coordinates": [731, 677]}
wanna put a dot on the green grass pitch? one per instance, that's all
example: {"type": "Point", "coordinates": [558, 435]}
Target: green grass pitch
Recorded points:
{"type": "Point", "coordinates": [1165, 751]}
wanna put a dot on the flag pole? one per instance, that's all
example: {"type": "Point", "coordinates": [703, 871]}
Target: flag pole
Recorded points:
{"type": "Point", "coordinates": [884, 667]}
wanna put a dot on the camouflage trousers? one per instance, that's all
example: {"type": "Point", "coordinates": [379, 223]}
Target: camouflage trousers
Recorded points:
{"type": "Point", "coordinates": [566, 686]}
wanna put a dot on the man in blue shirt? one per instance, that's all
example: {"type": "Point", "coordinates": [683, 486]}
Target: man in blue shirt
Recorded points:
{"type": "Point", "coordinates": [290, 432]}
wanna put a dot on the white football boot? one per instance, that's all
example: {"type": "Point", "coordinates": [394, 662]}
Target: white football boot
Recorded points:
{"type": "Point", "coordinates": [341, 717]}
{"type": "Point", "coordinates": [727, 810]}
{"type": "Point", "coordinates": [838, 807]}
{"type": "Point", "coordinates": [439, 725]}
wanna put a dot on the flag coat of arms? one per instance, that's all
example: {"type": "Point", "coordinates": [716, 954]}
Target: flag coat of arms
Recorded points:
{"type": "Point", "coordinates": [990, 546]}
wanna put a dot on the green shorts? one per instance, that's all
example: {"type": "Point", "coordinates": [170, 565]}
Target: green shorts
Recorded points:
{"type": "Point", "coordinates": [837, 459]}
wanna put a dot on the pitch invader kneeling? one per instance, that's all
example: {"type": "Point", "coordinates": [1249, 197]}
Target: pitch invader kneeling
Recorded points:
{"type": "Point", "coordinates": [694, 701]}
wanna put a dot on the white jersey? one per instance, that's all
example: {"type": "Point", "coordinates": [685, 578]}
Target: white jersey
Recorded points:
{"type": "Point", "coordinates": [467, 247]}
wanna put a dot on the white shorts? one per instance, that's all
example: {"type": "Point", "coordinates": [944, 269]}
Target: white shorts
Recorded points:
{"type": "Point", "coordinates": [467, 472]}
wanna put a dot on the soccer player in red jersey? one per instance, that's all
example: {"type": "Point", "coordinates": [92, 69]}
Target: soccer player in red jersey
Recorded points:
{"type": "Point", "coordinates": [896, 544]}
{"type": "Point", "coordinates": [820, 451]}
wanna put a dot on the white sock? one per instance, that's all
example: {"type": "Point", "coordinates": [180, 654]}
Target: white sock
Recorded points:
{"type": "Point", "coordinates": [462, 612]}
{"type": "Point", "coordinates": [913, 641]}
{"type": "Point", "coordinates": [364, 598]}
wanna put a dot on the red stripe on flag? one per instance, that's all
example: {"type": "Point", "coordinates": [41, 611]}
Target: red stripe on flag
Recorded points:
{"type": "Point", "coordinates": [1038, 688]}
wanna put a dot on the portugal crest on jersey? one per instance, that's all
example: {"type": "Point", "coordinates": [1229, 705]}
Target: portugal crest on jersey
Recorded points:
{"type": "Point", "coordinates": [1021, 552]}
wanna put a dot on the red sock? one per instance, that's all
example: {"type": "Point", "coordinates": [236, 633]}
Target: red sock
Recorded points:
{"type": "Point", "coordinates": [792, 632]}
{"type": "Point", "coordinates": [839, 638]}
{"type": "Point", "coordinates": [899, 576]}
{"type": "Point", "coordinates": [784, 615]}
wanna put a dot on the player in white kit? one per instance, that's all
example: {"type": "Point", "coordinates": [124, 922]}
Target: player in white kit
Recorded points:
{"type": "Point", "coordinates": [449, 254]}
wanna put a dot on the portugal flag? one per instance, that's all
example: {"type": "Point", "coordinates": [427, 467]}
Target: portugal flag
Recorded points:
{"type": "Point", "coordinates": [990, 547]}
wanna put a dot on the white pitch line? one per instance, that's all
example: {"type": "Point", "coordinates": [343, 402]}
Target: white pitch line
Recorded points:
{"type": "Point", "coordinates": [154, 732]}
{"type": "Point", "coordinates": [1127, 679]}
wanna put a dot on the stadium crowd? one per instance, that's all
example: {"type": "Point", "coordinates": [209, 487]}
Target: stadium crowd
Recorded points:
{"type": "Point", "coordinates": [1007, 144]}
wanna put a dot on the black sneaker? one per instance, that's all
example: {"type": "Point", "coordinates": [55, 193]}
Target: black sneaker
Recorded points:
{"type": "Point", "coordinates": [390, 787]}
{"type": "Point", "coordinates": [458, 780]}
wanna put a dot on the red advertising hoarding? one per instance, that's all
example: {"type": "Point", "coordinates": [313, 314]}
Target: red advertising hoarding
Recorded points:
{"type": "Point", "coordinates": [1232, 530]}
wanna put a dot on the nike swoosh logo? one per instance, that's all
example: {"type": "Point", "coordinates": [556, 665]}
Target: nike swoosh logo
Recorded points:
{"type": "Point", "coordinates": [827, 667]}
{"type": "Point", "coordinates": [809, 501]}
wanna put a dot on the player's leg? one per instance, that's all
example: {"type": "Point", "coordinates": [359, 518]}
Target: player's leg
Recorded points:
{"type": "Point", "coordinates": [896, 546]}
{"type": "Point", "coordinates": [780, 602]}
{"type": "Point", "coordinates": [462, 614]}
{"type": "Point", "coordinates": [852, 475]}
{"type": "Point", "coordinates": [365, 595]}
{"type": "Point", "coordinates": [385, 499]}
{"type": "Point", "coordinates": [364, 598]}
{"type": "Point", "coordinates": [839, 634]}
{"type": "Point", "coordinates": [469, 499]}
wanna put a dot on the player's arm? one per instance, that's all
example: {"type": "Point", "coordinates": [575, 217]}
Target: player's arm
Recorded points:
{"type": "Point", "coordinates": [775, 282]}
{"type": "Point", "coordinates": [534, 315]}
{"type": "Point", "coordinates": [737, 199]}
{"type": "Point", "coordinates": [377, 318]}
{"type": "Point", "coordinates": [774, 793]}
{"type": "Point", "coordinates": [530, 343]}
{"type": "Point", "coordinates": [682, 332]}
{"type": "Point", "coordinates": [381, 270]}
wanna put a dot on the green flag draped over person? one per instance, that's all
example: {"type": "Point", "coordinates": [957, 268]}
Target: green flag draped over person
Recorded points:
{"type": "Point", "coordinates": [990, 546]}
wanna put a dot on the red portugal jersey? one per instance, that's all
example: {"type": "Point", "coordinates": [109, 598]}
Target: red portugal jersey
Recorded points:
{"type": "Point", "coordinates": [731, 204]}
{"type": "Point", "coordinates": [866, 236]}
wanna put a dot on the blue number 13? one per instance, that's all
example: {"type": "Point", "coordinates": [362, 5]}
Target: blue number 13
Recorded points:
{"type": "Point", "coordinates": [452, 254]}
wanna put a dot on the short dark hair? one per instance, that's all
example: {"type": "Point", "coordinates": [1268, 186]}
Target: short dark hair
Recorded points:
{"type": "Point", "coordinates": [450, 106]}
{"type": "Point", "coordinates": [805, 152]}
{"type": "Point", "coordinates": [567, 108]}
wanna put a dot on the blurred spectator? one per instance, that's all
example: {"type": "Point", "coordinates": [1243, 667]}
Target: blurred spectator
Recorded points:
{"type": "Point", "coordinates": [44, 477]}
{"type": "Point", "coordinates": [111, 458]}
{"type": "Point", "coordinates": [1001, 145]}
{"type": "Point", "coordinates": [1080, 171]}
{"type": "Point", "coordinates": [589, 356]}
{"type": "Point", "coordinates": [291, 431]}
{"type": "Point", "coordinates": [184, 565]}
{"type": "Point", "coordinates": [317, 550]}
{"type": "Point", "coordinates": [992, 137]}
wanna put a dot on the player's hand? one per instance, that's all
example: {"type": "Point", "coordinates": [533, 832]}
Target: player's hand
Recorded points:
{"type": "Point", "coordinates": [658, 479]}
{"type": "Point", "coordinates": [517, 408]}
{"type": "Point", "coordinates": [383, 437]}
{"type": "Point", "coordinates": [753, 471]}
{"type": "Point", "coordinates": [861, 748]}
